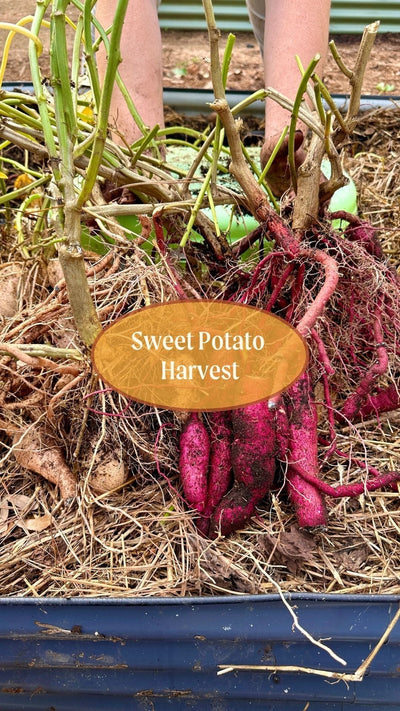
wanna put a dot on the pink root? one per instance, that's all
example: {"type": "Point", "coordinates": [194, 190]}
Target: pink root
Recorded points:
{"type": "Point", "coordinates": [353, 403]}
{"type": "Point", "coordinates": [316, 309]}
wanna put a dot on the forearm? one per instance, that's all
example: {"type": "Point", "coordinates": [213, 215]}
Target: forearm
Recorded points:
{"type": "Point", "coordinates": [141, 67]}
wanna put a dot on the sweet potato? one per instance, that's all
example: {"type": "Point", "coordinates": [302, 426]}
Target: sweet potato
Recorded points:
{"type": "Point", "coordinates": [302, 450]}
{"type": "Point", "coordinates": [253, 464]}
{"type": "Point", "coordinates": [37, 450]}
{"type": "Point", "coordinates": [237, 507]}
{"type": "Point", "coordinates": [193, 461]}
{"type": "Point", "coordinates": [220, 472]}
{"type": "Point", "coordinates": [307, 501]}
{"type": "Point", "coordinates": [384, 400]}
{"type": "Point", "coordinates": [360, 231]}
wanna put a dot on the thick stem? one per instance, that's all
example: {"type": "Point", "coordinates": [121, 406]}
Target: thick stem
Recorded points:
{"type": "Point", "coordinates": [214, 35]}
{"type": "Point", "coordinates": [257, 198]}
{"type": "Point", "coordinates": [68, 224]}
{"type": "Point", "coordinates": [357, 78]}
{"type": "Point", "coordinates": [306, 205]}
{"type": "Point", "coordinates": [84, 312]}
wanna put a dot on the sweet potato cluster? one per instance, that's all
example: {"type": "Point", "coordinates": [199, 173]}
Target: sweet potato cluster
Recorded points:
{"type": "Point", "coordinates": [340, 294]}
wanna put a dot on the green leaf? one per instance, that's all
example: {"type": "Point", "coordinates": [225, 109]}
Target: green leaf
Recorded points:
{"type": "Point", "coordinates": [384, 88]}
{"type": "Point", "coordinates": [179, 71]}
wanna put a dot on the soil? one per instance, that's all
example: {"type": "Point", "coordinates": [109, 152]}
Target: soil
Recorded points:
{"type": "Point", "coordinates": [186, 64]}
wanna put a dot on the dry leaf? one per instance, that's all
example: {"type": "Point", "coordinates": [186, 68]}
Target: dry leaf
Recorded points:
{"type": "Point", "coordinates": [20, 501]}
{"type": "Point", "coordinates": [214, 565]}
{"type": "Point", "coordinates": [352, 560]}
{"type": "Point", "coordinates": [39, 523]}
{"type": "Point", "coordinates": [4, 511]}
{"type": "Point", "coordinates": [292, 549]}
{"type": "Point", "coordinates": [10, 277]}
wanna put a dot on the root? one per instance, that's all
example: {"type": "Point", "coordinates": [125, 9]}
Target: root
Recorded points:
{"type": "Point", "coordinates": [35, 449]}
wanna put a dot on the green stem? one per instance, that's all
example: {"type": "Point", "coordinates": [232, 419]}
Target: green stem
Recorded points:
{"type": "Point", "coordinates": [226, 60]}
{"type": "Point", "coordinates": [61, 80]}
{"type": "Point", "coordinates": [295, 115]}
{"type": "Point", "coordinates": [114, 58]}
{"type": "Point", "coordinates": [259, 95]}
{"type": "Point", "coordinates": [76, 63]}
{"type": "Point", "coordinates": [143, 144]}
{"type": "Point", "coordinates": [19, 167]}
{"type": "Point", "coordinates": [196, 207]}
{"type": "Point", "coordinates": [89, 51]}
{"type": "Point", "coordinates": [267, 167]}
{"type": "Point", "coordinates": [16, 194]}
{"type": "Point", "coordinates": [319, 104]}
{"type": "Point", "coordinates": [21, 117]}
{"type": "Point", "coordinates": [41, 221]}
{"type": "Point", "coordinates": [218, 126]}
{"type": "Point", "coordinates": [332, 106]}
{"type": "Point", "coordinates": [38, 87]}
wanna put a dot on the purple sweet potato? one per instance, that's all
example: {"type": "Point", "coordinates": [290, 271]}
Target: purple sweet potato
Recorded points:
{"type": "Point", "coordinates": [282, 430]}
{"type": "Point", "coordinates": [235, 509]}
{"type": "Point", "coordinates": [384, 400]}
{"type": "Point", "coordinates": [193, 461]}
{"type": "Point", "coordinates": [302, 450]}
{"type": "Point", "coordinates": [253, 464]}
{"type": "Point", "coordinates": [220, 473]}
{"type": "Point", "coordinates": [306, 499]}
{"type": "Point", "coordinates": [365, 234]}
{"type": "Point", "coordinates": [360, 231]}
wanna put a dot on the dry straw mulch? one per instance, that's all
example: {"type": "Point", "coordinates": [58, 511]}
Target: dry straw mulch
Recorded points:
{"type": "Point", "coordinates": [139, 540]}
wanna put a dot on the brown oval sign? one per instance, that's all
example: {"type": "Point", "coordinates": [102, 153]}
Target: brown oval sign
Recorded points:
{"type": "Point", "coordinates": [199, 355]}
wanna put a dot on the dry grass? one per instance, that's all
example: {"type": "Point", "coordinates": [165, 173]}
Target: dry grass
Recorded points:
{"type": "Point", "coordinates": [139, 540]}
{"type": "Point", "coordinates": [374, 166]}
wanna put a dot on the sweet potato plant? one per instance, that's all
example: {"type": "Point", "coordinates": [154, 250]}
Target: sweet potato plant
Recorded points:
{"type": "Point", "coordinates": [334, 286]}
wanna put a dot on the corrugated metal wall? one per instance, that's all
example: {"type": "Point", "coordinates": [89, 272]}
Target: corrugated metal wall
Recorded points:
{"type": "Point", "coordinates": [347, 16]}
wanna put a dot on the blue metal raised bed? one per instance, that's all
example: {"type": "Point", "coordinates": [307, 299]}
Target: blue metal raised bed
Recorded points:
{"type": "Point", "coordinates": [145, 654]}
